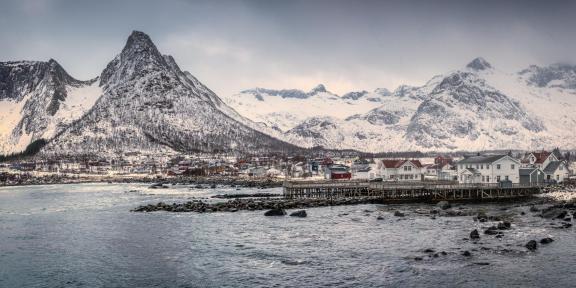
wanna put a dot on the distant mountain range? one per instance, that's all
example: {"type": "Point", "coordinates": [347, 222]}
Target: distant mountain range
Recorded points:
{"type": "Point", "coordinates": [477, 107]}
{"type": "Point", "coordinates": [143, 102]}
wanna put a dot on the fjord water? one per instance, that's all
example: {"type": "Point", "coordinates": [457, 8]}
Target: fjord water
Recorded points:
{"type": "Point", "coordinates": [85, 236]}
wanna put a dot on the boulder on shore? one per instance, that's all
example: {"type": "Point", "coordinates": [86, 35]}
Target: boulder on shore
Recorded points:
{"type": "Point", "coordinates": [444, 205]}
{"type": "Point", "coordinates": [275, 212]}
{"type": "Point", "coordinates": [531, 245]}
{"type": "Point", "coordinates": [299, 213]}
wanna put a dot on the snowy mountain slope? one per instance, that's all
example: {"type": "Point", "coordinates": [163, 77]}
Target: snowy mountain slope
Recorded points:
{"type": "Point", "coordinates": [473, 108]}
{"type": "Point", "coordinates": [283, 110]}
{"type": "Point", "coordinates": [464, 111]}
{"type": "Point", "coordinates": [149, 104]}
{"type": "Point", "coordinates": [37, 100]}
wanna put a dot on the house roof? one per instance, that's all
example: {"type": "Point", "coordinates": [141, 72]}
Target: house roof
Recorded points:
{"type": "Point", "coordinates": [557, 154]}
{"type": "Point", "coordinates": [481, 159]}
{"type": "Point", "coordinates": [541, 156]}
{"type": "Point", "coordinates": [398, 163]}
{"type": "Point", "coordinates": [527, 171]}
{"type": "Point", "coordinates": [552, 166]}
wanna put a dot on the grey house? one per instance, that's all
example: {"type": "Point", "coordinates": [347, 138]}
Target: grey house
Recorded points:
{"type": "Point", "coordinates": [533, 175]}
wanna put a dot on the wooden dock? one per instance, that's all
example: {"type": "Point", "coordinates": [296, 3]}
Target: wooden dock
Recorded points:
{"type": "Point", "coordinates": [406, 191]}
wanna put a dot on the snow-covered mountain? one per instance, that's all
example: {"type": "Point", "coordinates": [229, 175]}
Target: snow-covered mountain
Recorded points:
{"type": "Point", "coordinates": [38, 100]}
{"type": "Point", "coordinates": [283, 110]}
{"type": "Point", "coordinates": [149, 104]}
{"type": "Point", "coordinates": [474, 108]}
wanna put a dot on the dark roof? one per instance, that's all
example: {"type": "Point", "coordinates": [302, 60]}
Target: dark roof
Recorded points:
{"type": "Point", "coordinates": [481, 159]}
{"type": "Point", "coordinates": [552, 166]}
{"type": "Point", "coordinates": [473, 171]}
{"type": "Point", "coordinates": [527, 171]}
{"type": "Point", "coordinates": [541, 156]}
{"type": "Point", "coordinates": [558, 154]}
{"type": "Point", "coordinates": [398, 163]}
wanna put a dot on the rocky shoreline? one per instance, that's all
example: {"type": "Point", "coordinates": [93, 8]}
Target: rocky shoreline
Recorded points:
{"type": "Point", "coordinates": [260, 183]}
{"type": "Point", "coordinates": [268, 201]}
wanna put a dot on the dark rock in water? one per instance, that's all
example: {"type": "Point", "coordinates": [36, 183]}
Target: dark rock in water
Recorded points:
{"type": "Point", "coordinates": [444, 253]}
{"type": "Point", "coordinates": [157, 185]}
{"type": "Point", "coordinates": [444, 205]}
{"type": "Point", "coordinates": [474, 234]}
{"type": "Point", "coordinates": [493, 230]}
{"type": "Point", "coordinates": [429, 250]}
{"type": "Point", "coordinates": [466, 253]}
{"type": "Point", "coordinates": [482, 217]}
{"type": "Point", "coordinates": [300, 213]}
{"type": "Point", "coordinates": [399, 214]}
{"type": "Point", "coordinates": [482, 263]}
{"type": "Point", "coordinates": [554, 212]}
{"type": "Point", "coordinates": [546, 240]}
{"type": "Point", "coordinates": [522, 213]}
{"type": "Point", "coordinates": [567, 219]}
{"type": "Point", "coordinates": [418, 258]}
{"type": "Point", "coordinates": [213, 186]}
{"type": "Point", "coordinates": [504, 225]}
{"type": "Point", "coordinates": [534, 209]}
{"type": "Point", "coordinates": [435, 255]}
{"type": "Point", "coordinates": [275, 212]}
{"type": "Point", "coordinates": [379, 218]}
{"type": "Point", "coordinates": [531, 245]}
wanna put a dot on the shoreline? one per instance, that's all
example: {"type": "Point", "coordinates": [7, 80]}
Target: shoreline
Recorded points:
{"type": "Point", "coordinates": [87, 178]}
{"type": "Point", "coordinates": [275, 203]}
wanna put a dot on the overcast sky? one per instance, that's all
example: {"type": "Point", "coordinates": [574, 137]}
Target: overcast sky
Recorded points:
{"type": "Point", "coordinates": [347, 45]}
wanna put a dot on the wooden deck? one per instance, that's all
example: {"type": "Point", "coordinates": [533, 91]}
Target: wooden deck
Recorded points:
{"type": "Point", "coordinates": [406, 191]}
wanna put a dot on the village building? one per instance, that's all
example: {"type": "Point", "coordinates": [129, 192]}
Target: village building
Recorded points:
{"type": "Point", "coordinates": [531, 176]}
{"type": "Point", "coordinates": [400, 170]}
{"type": "Point", "coordinates": [554, 168]}
{"type": "Point", "coordinates": [488, 169]}
{"type": "Point", "coordinates": [337, 172]}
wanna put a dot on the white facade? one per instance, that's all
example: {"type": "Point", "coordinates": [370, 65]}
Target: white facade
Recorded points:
{"type": "Point", "coordinates": [559, 174]}
{"type": "Point", "coordinates": [488, 169]}
{"type": "Point", "coordinates": [400, 170]}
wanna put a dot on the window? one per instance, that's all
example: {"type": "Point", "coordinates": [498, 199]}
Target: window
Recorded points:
{"type": "Point", "coordinates": [488, 179]}
{"type": "Point", "coordinates": [497, 178]}
{"type": "Point", "coordinates": [482, 166]}
{"type": "Point", "coordinates": [512, 166]}
{"type": "Point", "coordinates": [497, 166]}
{"type": "Point", "coordinates": [482, 178]}
{"type": "Point", "coordinates": [506, 177]}
{"type": "Point", "coordinates": [487, 166]}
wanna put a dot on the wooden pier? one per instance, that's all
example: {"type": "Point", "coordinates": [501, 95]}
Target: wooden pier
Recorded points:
{"type": "Point", "coordinates": [407, 191]}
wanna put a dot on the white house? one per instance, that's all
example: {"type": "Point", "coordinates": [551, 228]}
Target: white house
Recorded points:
{"type": "Point", "coordinates": [554, 168]}
{"type": "Point", "coordinates": [488, 169]}
{"type": "Point", "coordinates": [557, 171]}
{"type": "Point", "coordinates": [400, 170]}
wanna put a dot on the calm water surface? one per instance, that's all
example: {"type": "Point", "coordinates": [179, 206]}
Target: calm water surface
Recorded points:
{"type": "Point", "coordinates": [84, 236]}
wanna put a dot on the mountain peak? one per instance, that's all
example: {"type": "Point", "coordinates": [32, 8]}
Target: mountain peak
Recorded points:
{"type": "Point", "coordinates": [139, 40]}
{"type": "Point", "coordinates": [138, 57]}
{"type": "Point", "coordinates": [318, 89]}
{"type": "Point", "coordinates": [479, 64]}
